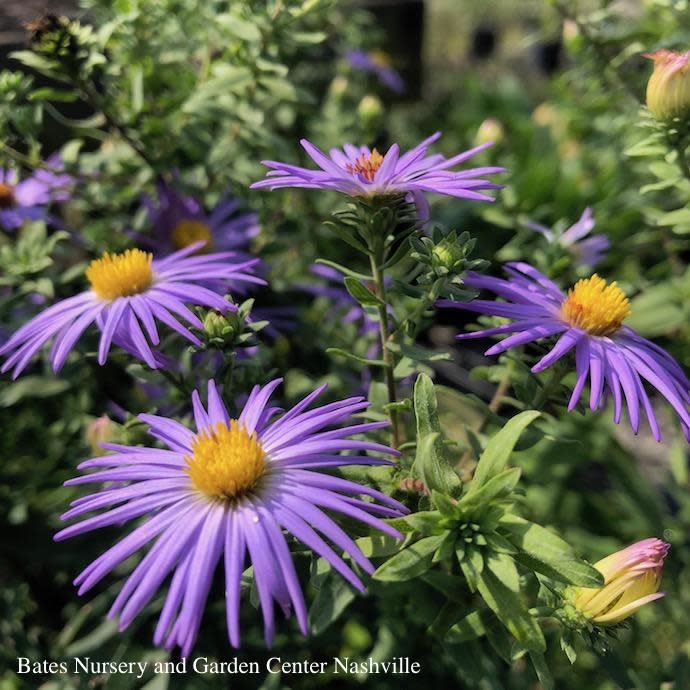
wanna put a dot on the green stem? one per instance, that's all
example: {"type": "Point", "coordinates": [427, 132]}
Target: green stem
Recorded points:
{"type": "Point", "coordinates": [375, 259]}
{"type": "Point", "coordinates": [93, 98]}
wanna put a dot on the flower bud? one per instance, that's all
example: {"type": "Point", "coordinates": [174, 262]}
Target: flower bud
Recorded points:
{"type": "Point", "coordinates": [100, 430]}
{"type": "Point", "coordinates": [631, 580]}
{"type": "Point", "coordinates": [220, 327]}
{"type": "Point", "coordinates": [668, 89]}
{"type": "Point", "coordinates": [490, 131]}
{"type": "Point", "coordinates": [370, 109]}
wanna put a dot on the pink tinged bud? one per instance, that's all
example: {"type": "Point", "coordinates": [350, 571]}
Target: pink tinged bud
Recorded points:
{"type": "Point", "coordinates": [668, 89]}
{"type": "Point", "coordinates": [631, 579]}
{"type": "Point", "coordinates": [99, 431]}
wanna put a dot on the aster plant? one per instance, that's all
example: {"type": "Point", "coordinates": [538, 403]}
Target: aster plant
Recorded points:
{"type": "Point", "coordinates": [228, 490]}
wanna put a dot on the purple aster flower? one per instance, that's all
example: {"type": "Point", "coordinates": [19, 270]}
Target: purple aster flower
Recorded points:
{"type": "Point", "coordinates": [229, 491]}
{"type": "Point", "coordinates": [128, 291]}
{"type": "Point", "coordinates": [359, 171]}
{"type": "Point", "coordinates": [28, 199]}
{"type": "Point", "coordinates": [586, 252]}
{"type": "Point", "coordinates": [589, 320]}
{"type": "Point", "coordinates": [379, 64]}
{"type": "Point", "coordinates": [179, 220]}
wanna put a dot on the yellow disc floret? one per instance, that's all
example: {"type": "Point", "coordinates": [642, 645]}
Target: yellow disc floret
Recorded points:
{"type": "Point", "coordinates": [595, 306]}
{"type": "Point", "coordinates": [121, 275]}
{"type": "Point", "coordinates": [226, 462]}
{"type": "Point", "coordinates": [366, 166]}
{"type": "Point", "coordinates": [188, 232]}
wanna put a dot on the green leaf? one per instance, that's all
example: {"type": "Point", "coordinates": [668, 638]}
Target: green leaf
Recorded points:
{"type": "Point", "coordinates": [431, 463]}
{"type": "Point", "coordinates": [239, 27]}
{"type": "Point", "coordinates": [426, 522]}
{"type": "Point", "coordinates": [355, 358]}
{"type": "Point", "coordinates": [680, 216]}
{"type": "Point", "coordinates": [362, 293]}
{"type": "Point", "coordinates": [343, 269]}
{"type": "Point", "coordinates": [333, 598]}
{"type": "Point", "coordinates": [548, 554]}
{"type": "Point", "coordinates": [497, 487]}
{"type": "Point", "coordinates": [542, 670]}
{"type": "Point", "coordinates": [471, 627]}
{"type": "Point", "coordinates": [495, 456]}
{"type": "Point", "coordinates": [499, 585]}
{"type": "Point", "coordinates": [410, 562]}
{"type": "Point", "coordinates": [378, 545]}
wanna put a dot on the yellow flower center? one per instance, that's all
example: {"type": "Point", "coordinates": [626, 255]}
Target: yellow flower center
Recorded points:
{"type": "Point", "coordinates": [189, 231]}
{"type": "Point", "coordinates": [226, 462]}
{"type": "Point", "coordinates": [7, 199]}
{"type": "Point", "coordinates": [380, 59]}
{"type": "Point", "coordinates": [366, 165]}
{"type": "Point", "coordinates": [120, 275]}
{"type": "Point", "coordinates": [595, 306]}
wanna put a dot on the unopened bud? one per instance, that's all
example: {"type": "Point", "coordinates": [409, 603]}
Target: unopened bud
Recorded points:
{"type": "Point", "coordinates": [668, 89]}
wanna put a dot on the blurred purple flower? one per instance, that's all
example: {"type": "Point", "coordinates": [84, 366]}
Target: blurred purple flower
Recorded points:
{"type": "Point", "coordinates": [179, 220]}
{"type": "Point", "coordinates": [588, 320]}
{"type": "Point", "coordinates": [29, 199]}
{"type": "Point", "coordinates": [360, 171]}
{"type": "Point", "coordinates": [586, 252]}
{"type": "Point", "coordinates": [379, 64]}
{"type": "Point", "coordinates": [230, 491]}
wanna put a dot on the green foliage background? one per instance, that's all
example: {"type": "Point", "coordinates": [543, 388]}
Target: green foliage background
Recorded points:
{"type": "Point", "coordinates": [209, 89]}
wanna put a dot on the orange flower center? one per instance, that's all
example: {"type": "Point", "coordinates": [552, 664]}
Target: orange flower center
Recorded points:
{"type": "Point", "coordinates": [366, 166]}
{"type": "Point", "coordinates": [7, 199]}
{"type": "Point", "coordinates": [595, 306]}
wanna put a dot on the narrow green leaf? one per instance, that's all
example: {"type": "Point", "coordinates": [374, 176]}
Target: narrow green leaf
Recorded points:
{"type": "Point", "coordinates": [495, 456]}
{"type": "Point", "coordinates": [431, 463]}
{"type": "Point", "coordinates": [362, 293]}
{"type": "Point", "coordinates": [355, 358]}
{"type": "Point", "coordinates": [344, 269]}
{"type": "Point", "coordinates": [497, 487]}
{"type": "Point", "coordinates": [499, 585]}
{"type": "Point", "coordinates": [547, 553]}
{"type": "Point", "coordinates": [410, 562]}
{"type": "Point", "coordinates": [542, 670]}
{"type": "Point", "coordinates": [333, 598]}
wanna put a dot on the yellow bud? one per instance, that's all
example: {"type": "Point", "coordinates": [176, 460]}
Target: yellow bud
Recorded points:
{"type": "Point", "coordinates": [631, 580]}
{"type": "Point", "coordinates": [491, 130]}
{"type": "Point", "coordinates": [370, 108]}
{"type": "Point", "coordinates": [668, 89]}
